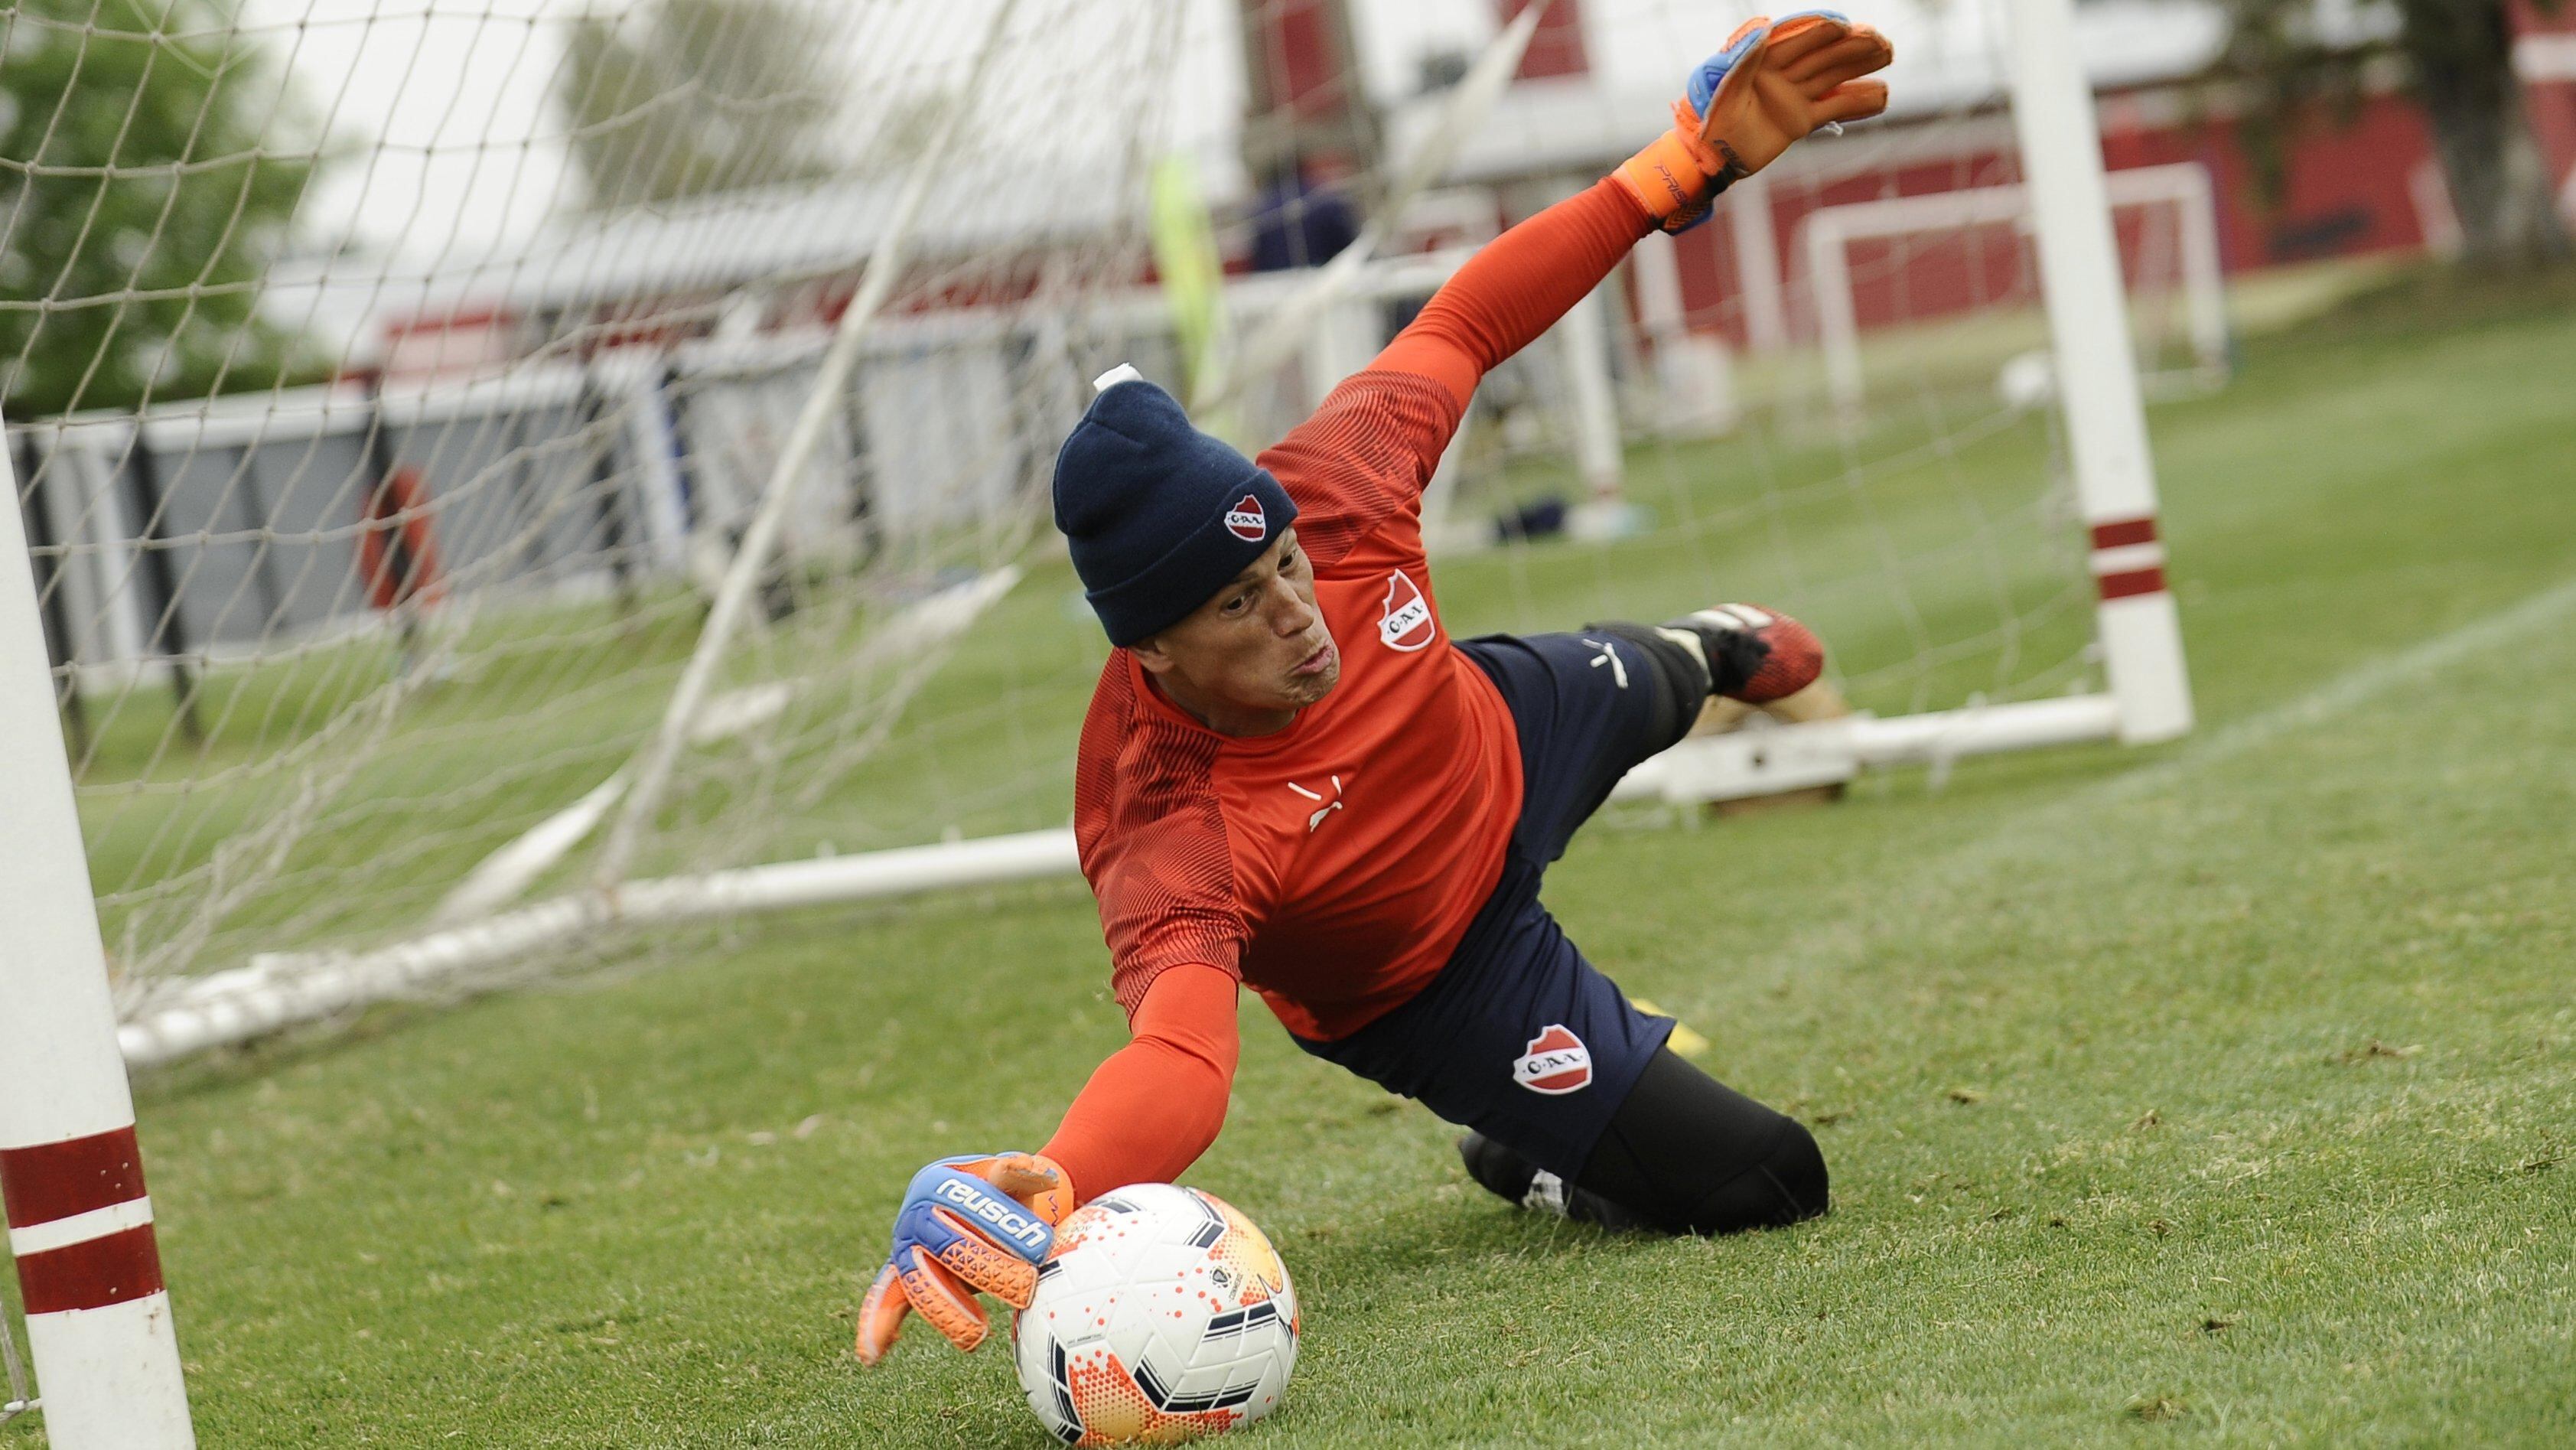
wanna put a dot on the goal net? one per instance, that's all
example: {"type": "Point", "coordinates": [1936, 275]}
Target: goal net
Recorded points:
{"type": "Point", "coordinates": [503, 480]}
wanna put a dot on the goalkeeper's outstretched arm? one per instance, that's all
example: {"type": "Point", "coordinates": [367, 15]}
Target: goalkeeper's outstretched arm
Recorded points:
{"type": "Point", "coordinates": [981, 1223]}
{"type": "Point", "coordinates": [1768, 88]}
{"type": "Point", "coordinates": [1155, 1104]}
{"type": "Point", "coordinates": [1517, 286]}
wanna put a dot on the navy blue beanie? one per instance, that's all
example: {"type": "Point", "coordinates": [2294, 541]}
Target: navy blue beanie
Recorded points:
{"type": "Point", "coordinates": [1160, 515]}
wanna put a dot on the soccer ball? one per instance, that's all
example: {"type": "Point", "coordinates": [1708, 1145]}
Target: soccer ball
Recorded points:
{"type": "Point", "coordinates": [1161, 1314]}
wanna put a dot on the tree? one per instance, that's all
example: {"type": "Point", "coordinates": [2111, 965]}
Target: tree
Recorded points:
{"type": "Point", "coordinates": [688, 97]}
{"type": "Point", "coordinates": [2457, 57]}
{"type": "Point", "coordinates": [149, 166]}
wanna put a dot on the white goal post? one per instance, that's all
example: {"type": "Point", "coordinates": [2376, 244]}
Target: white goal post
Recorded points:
{"type": "Point", "coordinates": [2140, 632]}
{"type": "Point", "coordinates": [80, 1224]}
{"type": "Point", "coordinates": [2182, 186]}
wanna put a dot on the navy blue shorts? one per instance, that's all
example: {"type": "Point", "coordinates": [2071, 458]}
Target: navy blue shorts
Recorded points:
{"type": "Point", "coordinates": [1519, 1037]}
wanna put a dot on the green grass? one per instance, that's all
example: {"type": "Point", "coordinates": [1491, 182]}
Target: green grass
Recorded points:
{"type": "Point", "coordinates": [2213, 1092]}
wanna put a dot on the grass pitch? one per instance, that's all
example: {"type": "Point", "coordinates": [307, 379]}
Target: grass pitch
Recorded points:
{"type": "Point", "coordinates": [2219, 1091]}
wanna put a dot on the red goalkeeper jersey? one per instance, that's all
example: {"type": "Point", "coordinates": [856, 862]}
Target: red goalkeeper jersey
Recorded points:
{"type": "Point", "coordinates": [1334, 865]}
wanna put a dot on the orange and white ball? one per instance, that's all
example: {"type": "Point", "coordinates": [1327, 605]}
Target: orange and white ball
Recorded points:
{"type": "Point", "coordinates": [1161, 1314]}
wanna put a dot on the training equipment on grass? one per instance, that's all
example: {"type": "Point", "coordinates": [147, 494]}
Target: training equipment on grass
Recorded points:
{"type": "Point", "coordinates": [1161, 1313]}
{"type": "Point", "coordinates": [506, 491]}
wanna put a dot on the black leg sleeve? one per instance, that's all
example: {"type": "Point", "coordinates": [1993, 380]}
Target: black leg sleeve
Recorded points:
{"type": "Point", "coordinates": [1687, 1154]}
{"type": "Point", "coordinates": [1680, 677]}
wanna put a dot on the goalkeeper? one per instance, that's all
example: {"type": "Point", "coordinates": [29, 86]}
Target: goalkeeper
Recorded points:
{"type": "Point", "coordinates": [1291, 779]}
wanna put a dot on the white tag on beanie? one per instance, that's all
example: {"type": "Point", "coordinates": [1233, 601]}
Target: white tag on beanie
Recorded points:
{"type": "Point", "coordinates": [1123, 373]}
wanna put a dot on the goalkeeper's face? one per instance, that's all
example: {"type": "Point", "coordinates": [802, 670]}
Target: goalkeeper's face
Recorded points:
{"type": "Point", "coordinates": [1255, 653]}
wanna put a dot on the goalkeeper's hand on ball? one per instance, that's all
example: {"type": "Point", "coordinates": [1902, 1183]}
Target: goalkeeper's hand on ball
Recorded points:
{"type": "Point", "coordinates": [1774, 82]}
{"type": "Point", "coordinates": [980, 1223]}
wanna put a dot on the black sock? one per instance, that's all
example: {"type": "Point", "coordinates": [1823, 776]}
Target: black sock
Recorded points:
{"type": "Point", "coordinates": [1687, 1154]}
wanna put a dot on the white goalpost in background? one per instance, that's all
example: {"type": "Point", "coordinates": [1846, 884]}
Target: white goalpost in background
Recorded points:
{"type": "Point", "coordinates": [2183, 189]}
{"type": "Point", "coordinates": [2106, 418]}
{"type": "Point", "coordinates": [2069, 205]}
{"type": "Point", "coordinates": [687, 557]}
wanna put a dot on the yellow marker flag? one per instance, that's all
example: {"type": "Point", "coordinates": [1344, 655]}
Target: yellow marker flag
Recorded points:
{"type": "Point", "coordinates": [1193, 276]}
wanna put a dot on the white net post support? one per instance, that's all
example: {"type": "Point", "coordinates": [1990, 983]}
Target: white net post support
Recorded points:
{"type": "Point", "coordinates": [1694, 379]}
{"type": "Point", "coordinates": [2203, 275]}
{"type": "Point", "coordinates": [2106, 421]}
{"type": "Point", "coordinates": [80, 1228]}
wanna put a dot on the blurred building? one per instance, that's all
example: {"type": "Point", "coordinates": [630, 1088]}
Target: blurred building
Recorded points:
{"type": "Point", "coordinates": [1312, 145]}
{"type": "Point", "coordinates": [2545, 57]}
{"type": "Point", "coordinates": [783, 259]}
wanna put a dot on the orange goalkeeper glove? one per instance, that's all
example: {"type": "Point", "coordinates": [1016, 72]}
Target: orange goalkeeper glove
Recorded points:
{"type": "Point", "coordinates": [956, 1235]}
{"type": "Point", "coordinates": [1772, 84]}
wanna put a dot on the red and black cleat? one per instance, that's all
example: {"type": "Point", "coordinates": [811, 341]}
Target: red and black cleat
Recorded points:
{"type": "Point", "coordinates": [1754, 654]}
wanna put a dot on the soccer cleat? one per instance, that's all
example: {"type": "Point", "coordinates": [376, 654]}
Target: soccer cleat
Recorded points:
{"type": "Point", "coordinates": [1514, 1179]}
{"type": "Point", "coordinates": [1753, 654]}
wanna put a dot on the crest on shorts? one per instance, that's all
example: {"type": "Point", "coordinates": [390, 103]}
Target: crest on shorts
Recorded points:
{"type": "Point", "coordinates": [1404, 622]}
{"type": "Point", "coordinates": [1246, 521]}
{"type": "Point", "coordinates": [1557, 1062]}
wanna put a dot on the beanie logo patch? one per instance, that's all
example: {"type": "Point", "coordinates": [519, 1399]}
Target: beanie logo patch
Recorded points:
{"type": "Point", "coordinates": [1404, 621]}
{"type": "Point", "coordinates": [1246, 521]}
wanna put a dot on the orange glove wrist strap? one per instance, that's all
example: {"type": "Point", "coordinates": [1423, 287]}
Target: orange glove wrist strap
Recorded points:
{"type": "Point", "coordinates": [1678, 174]}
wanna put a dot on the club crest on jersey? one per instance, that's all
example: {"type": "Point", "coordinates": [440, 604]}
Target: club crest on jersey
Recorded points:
{"type": "Point", "coordinates": [1404, 622]}
{"type": "Point", "coordinates": [1556, 1063]}
{"type": "Point", "coordinates": [1246, 521]}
